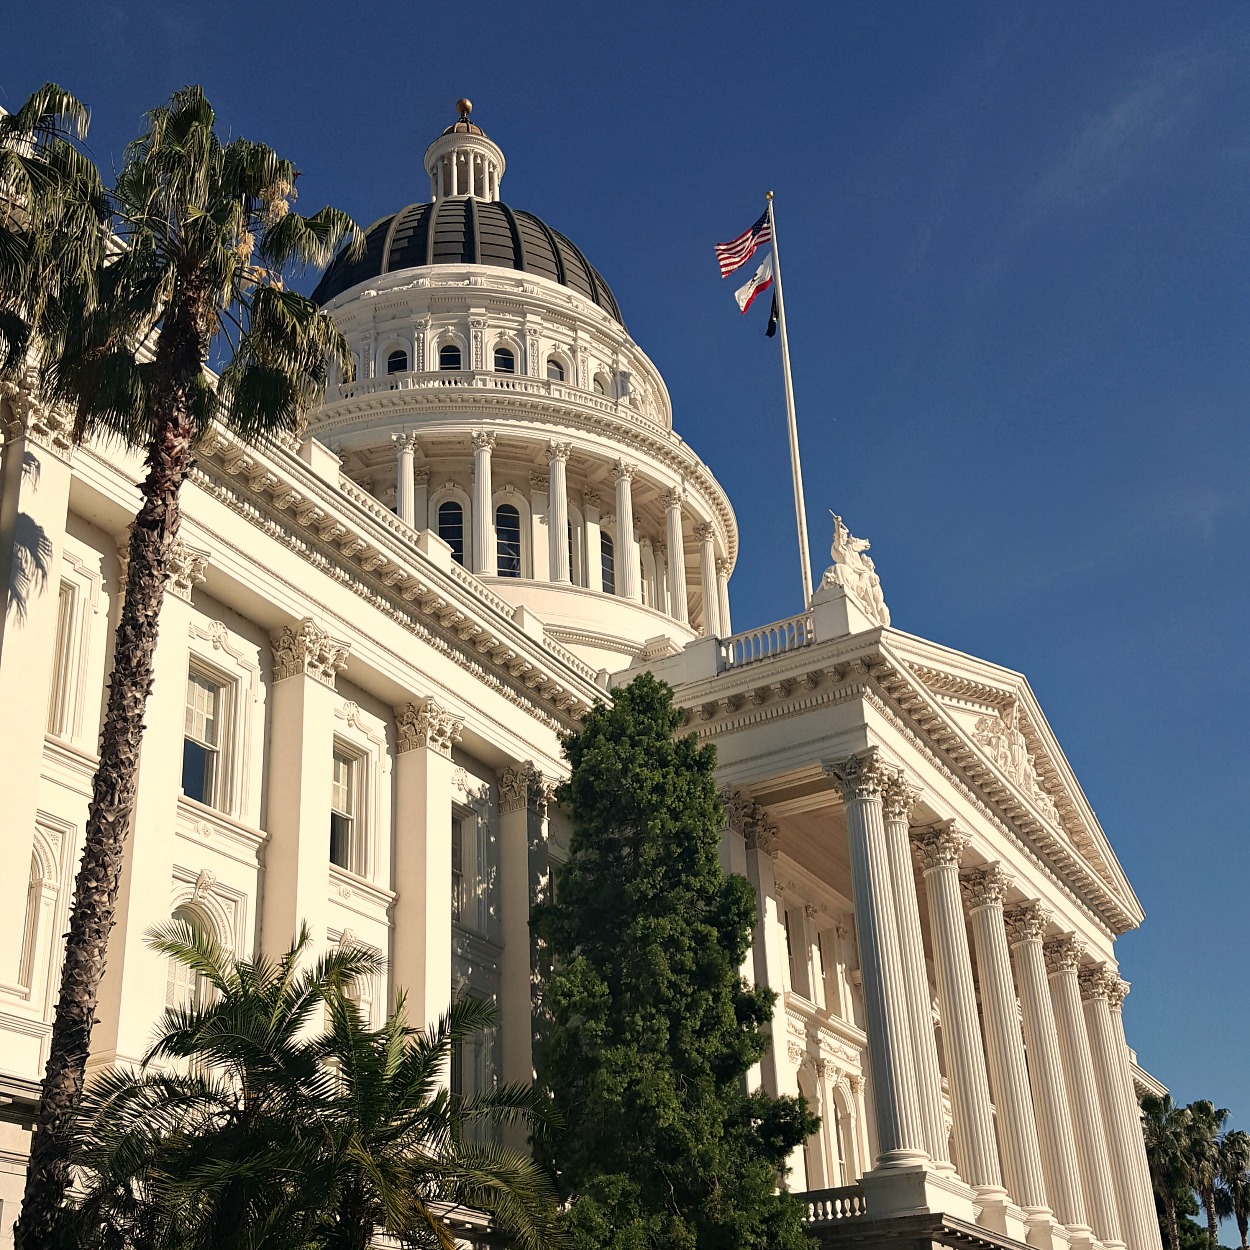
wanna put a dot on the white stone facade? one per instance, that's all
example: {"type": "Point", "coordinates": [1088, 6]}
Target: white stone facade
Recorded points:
{"type": "Point", "coordinates": [355, 723]}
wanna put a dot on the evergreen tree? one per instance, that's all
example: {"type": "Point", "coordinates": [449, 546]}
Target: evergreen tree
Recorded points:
{"type": "Point", "coordinates": [651, 1028]}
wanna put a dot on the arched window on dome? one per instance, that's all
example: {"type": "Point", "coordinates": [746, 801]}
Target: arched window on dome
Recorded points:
{"type": "Point", "coordinates": [505, 360]}
{"type": "Point", "coordinates": [600, 384]}
{"type": "Point", "coordinates": [449, 356]}
{"type": "Point", "coordinates": [508, 540]}
{"type": "Point", "coordinates": [607, 561]}
{"type": "Point", "coordinates": [397, 362]}
{"type": "Point", "coordinates": [555, 370]}
{"type": "Point", "coordinates": [185, 987]}
{"type": "Point", "coordinates": [451, 528]}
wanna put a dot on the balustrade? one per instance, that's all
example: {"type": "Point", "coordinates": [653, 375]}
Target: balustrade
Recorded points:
{"type": "Point", "coordinates": [768, 640]}
{"type": "Point", "coordinates": [825, 1206]}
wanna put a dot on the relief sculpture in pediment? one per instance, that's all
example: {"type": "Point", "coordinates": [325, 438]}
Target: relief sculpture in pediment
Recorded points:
{"type": "Point", "coordinates": [1000, 735]}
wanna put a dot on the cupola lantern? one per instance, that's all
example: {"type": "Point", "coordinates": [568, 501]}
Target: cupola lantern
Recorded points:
{"type": "Point", "coordinates": [463, 162]}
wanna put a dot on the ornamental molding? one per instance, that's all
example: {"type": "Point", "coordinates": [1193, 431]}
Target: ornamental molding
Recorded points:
{"type": "Point", "coordinates": [426, 723]}
{"type": "Point", "coordinates": [986, 886]}
{"type": "Point", "coordinates": [307, 651]}
{"type": "Point", "coordinates": [1026, 922]}
{"type": "Point", "coordinates": [940, 845]}
{"type": "Point", "coordinates": [540, 481]}
{"type": "Point", "coordinates": [1063, 953]}
{"type": "Point", "coordinates": [747, 818]}
{"type": "Point", "coordinates": [860, 777]}
{"type": "Point", "coordinates": [513, 788]}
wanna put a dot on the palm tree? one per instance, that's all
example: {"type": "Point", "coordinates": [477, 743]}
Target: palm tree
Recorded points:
{"type": "Point", "coordinates": [119, 301]}
{"type": "Point", "coordinates": [1204, 1159]}
{"type": "Point", "coordinates": [1166, 1128]}
{"type": "Point", "coordinates": [407, 1151]}
{"type": "Point", "coordinates": [263, 1132]}
{"type": "Point", "coordinates": [1233, 1191]}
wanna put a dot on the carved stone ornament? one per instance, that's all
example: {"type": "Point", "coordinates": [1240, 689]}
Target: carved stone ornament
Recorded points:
{"type": "Point", "coordinates": [427, 723]}
{"type": "Point", "coordinates": [939, 846]}
{"type": "Point", "coordinates": [1117, 990]}
{"type": "Point", "coordinates": [675, 497]}
{"type": "Point", "coordinates": [558, 451]}
{"type": "Point", "coordinates": [187, 568]}
{"type": "Point", "coordinates": [307, 650]}
{"type": "Point", "coordinates": [513, 787]}
{"type": "Point", "coordinates": [861, 776]}
{"type": "Point", "coordinates": [855, 573]}
{"type": "Point", "coordinates": [986, 886]}
{"type": "Point", "coordinates": [205, 882]}
{"type": "Point", "coordinates": [1095, 981]}
{"type": "Point", "coordinates": [1026, 922]}
{"type": "Point", "coordinates": [39, 422]}
{"type": "Point", "coordinates": [484, 440]}
{"type": "Point", "coordinates": [622, 470]}
{"type": "Point", "coordinates": [539, 481]}
{"type": "Point", "coordinates": [1000, 736]}
{"type": "Point", "coordinates": [749, 819]}
{"type": "Point", "coordinates": [1063, 953]}
{"type": "Point", "coordinates": [704, 532]}
{"type": "Point", "coordinates": [897, 797]}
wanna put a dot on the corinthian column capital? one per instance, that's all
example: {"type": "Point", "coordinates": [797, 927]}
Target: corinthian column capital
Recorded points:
{"type": "Point", "coordinates": [426, 724]}
{"type": "Point", "coordinates": [558, 451]}
{"type": "Point", "coordinates": [1026, 922]}
{"type": "Point", "coordinates": [1063, 953]}
{"type": "Point", "coordinates": [986, 886]}
{"type": "Point", "coordinates": [1117, 990]}
{"type": "Point", "coordinates": [898, 797]}
{"type": "Point", "coordinates": [861, 776]}
{"type": "Point", "coordinates": [1094, 980]}
{"type": "Point", "coordinates": [939, 846]}
{"type": "Point", "coordinates": [484, 440]}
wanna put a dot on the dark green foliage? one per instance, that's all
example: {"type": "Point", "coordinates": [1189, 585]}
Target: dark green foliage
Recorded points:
{"type": "Point", "coordinates": [652, 1029]}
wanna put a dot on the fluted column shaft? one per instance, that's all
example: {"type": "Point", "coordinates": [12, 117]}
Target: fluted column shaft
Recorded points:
{"type": "Point", "coordinates": [558, 511]}
{"type": "Point", "coordinates": [1063, 956]}
{"type": "Point", "coordinates": [706, 534]}
{"type": "Point", "coordinates": [897, 802]}
{"type": "Point", "coordinates": [1025, 926]}
{"type": "Point", "coordinates": [1121, 1122]}
{"type": "Point", "coordinates": [1009, 1075]}
{"type": "Point", "coordinates": [406, 478]}
{"type": "Point", "coordinates": [485, 556]}
{"type": "Point", "coordinates": [900, 1135]}
{"type": "Point", "coordinates": [628, 583]}
{"type": "Point", "coordinates": [939, 849]}
{"type": "Point", "coordinates": [1141, 1169]}
{"type": "Point", "coordinates": [722, 593]}
{"type": "Point", "coordinates": [678, 606]}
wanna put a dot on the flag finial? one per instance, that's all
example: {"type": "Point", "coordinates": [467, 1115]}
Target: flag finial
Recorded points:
{"type": "Point", "coordinates": [768, 194]}
{"type": "Point", "coordinates": [465, 106]}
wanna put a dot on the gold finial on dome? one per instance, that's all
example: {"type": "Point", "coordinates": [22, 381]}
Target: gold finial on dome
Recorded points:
{"type": "Point", "coordinates": [464, 107]}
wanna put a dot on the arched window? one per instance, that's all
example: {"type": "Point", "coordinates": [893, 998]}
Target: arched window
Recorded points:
{"type": "Point", "coordinates": [600, 384]}
{"type": "Point", "coordinates": [505, 360]}
{"type": "Point", "coordinates": [508, 540]}
{"type": "Point", "coordinates": [449, 356]}
{"type": "Point", "coordinates": [607, 561]}
{"type": "Point", "coordinates": [555, 370]}
{"type": "Point", "coordinates": [451, 526]}
{"type": "Point", "coordinates": [397, 362]}
{"type": "Point", "coordinates": [184, 987]}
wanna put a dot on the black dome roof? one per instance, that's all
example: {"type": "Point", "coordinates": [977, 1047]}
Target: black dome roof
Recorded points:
{"type": "Point", "coordinates": [467, 232]}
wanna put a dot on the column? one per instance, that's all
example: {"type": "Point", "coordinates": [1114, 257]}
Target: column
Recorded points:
{"type": "Point", "coordinates": [1063, 957]}
{"type": "Point", "coordinates": [660, 552]}
{"type": "Point", "coordinates": [984, 889]}
{"type": "Point", "coordinates": [405, 479]}
{"type": "Point", "coordinates": [1121, 1120]}
{"type": "Point", "coordinates": [706, 534]}
{"type": "Point", "coordinates": [594, 541]}
{"type": "Point", "coordinates": [676, 556]}
{"type": "Point", "coordinates": [34, 501]}
{"type": "Point", "coordinates": [455, 173]}
{"type": "Point", "coordinates": [296, 883]}
{"type": "Point", "coordinates": [1026, 923]}
{"type": "Point", "coordinates": [768, 950]}
{"type": "Point", "coordinates": [558, 511]}
{"type": "Point", "coordinates": [485, 555]}
{"type": "Point", "coordinates": [1118, 990]}
{"type": "Point", "coordinates": [900, 1132]}
{"type": "Point", "coordinates": [628, 582]}
{"type": "Point", "coordinates": [898, 799]}
{"type": "Point", "coordinates": [421, 497]}
{"type": "Point", "coordinates": [939, 849]}
{"type": "Point", "coordinates": [722, 593]}
{"type": "Point", "coordinates": [425, 732]}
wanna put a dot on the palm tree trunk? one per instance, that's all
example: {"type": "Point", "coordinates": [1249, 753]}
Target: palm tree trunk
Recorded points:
{"type": "Point", "coordinates": [1169, 1213]}
{"type": "Point", "coordinates": [169, 460]}
{"type": "Point", "coordinates": [1207, 1194]}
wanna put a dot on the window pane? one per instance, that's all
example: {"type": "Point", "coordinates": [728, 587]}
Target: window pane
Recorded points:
{"type": "Point", "coordinates": [601, 387]}
{"type": "Point", "coordinates": [199, 764]}
{"type": "Point", "coordinates": [58, 693]}
{"type": "Point", "coordinates": [555, 370]}
{"type": "Point", "coordinates": [505, 361]}
{"type": "Point", "coordinates": [397, 362]}
{"type": "Point", "coordinates": [508, 540]}
{"type": "Point", "coordinates": [202, 700]}
{"type": "Point", "coordinates": [457, 868]}
{"type": "Point", "coordinates": [607, 559]}
{"type": "Point", "coordinates": [340, 840]}
{"type": "Point", "coordinates": [342, 808]}
{"type": "Point", "coordinates": [451, 529]}
{"type": "Point", "coordinates": [449, 357]}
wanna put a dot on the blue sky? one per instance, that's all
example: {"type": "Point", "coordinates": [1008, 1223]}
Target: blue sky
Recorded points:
{"type": "Point", "coordinates": [1015, 250]}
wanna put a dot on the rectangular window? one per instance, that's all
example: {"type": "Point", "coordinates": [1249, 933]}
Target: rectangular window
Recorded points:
{"type": "Point", "coordinates": [62, 685]}
{"type": "Point", "coordinates": [201, 745]}
{"type": "Point", "coordinates": [457, 869]}
{"type": "Point", "coordinates": [343, 809]}
{"type": "Point", "coordinates": [790, 950]}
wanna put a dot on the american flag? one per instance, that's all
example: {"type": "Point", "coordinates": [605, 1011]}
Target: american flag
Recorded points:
{"type": "Point", "coordinates": [738, 251]}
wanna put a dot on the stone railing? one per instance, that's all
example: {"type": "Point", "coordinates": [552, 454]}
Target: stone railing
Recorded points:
{"type": "Point", "coordinates": [825, 1206]}
{"type": "Point", "coordinates": [768, 640]}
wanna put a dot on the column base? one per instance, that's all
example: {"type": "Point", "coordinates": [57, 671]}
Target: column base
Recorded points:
{"type": "Point", "coordinates": [892, 1189]}
{"type": "Point", "coordinates": [1081, 1237]}
{"type": "Point", "coordinates": [1041, 1231]}
{"type": "Point", "coordinates": [999, 1213]}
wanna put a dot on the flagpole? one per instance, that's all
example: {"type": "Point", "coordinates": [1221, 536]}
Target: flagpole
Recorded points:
{"type": "Point", "coordinates": [796, 469]}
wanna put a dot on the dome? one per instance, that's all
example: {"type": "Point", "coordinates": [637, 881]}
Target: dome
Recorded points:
{"type": "Point", "coordinates": [465, 230]}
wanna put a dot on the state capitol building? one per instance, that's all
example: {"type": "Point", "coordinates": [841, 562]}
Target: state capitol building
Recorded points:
{"type": "Point", "coordinates": [371, 645]}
